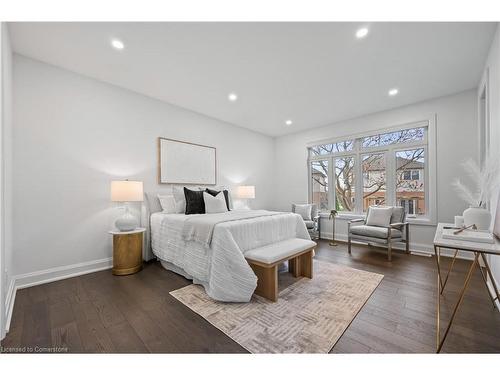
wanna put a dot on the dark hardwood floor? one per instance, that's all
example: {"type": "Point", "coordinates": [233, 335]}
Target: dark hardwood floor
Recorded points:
{"type": "Point", "coordinates": [99, 312]}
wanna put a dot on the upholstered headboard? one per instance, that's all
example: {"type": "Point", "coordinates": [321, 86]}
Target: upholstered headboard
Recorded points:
{"type": "Point", "coordinates": [150, 206]}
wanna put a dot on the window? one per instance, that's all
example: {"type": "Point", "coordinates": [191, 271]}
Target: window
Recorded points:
{"type": "Point", "coordinates": [409, 175]}
{"type": "Point", "coordinates": [400, 136]}
{"type": "Point", "coordinates": [344, 184]}
{"type": "Point", "coordinates": [410, 188]}
{"type": "Point", "coordinates": [374, 187]}
{"type": "Point", "coordinates": [409, 206]}
{"type": "Point", "coordinates": [319, 182]}
{"type": "Point", "coordinates": [391, 166]}
{"type": "Point", "coordinates": [330, 148]}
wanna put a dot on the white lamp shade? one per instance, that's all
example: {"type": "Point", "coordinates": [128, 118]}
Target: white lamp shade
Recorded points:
{"type": "Point", "coordinates": [245, 192]}
{"type": "Point", "coordinates": [126, 191]}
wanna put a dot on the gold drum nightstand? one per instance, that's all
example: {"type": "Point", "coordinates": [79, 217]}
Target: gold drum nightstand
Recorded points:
{"type": "Point", "coordinates": [127, 251]}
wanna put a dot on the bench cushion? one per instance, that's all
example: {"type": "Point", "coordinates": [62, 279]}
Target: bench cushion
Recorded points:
{"type": "Point", "coordinates": [280, 250]}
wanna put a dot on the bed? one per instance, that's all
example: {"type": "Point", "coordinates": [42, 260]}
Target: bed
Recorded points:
{"type": "Point", "coordinates": [210, 248]}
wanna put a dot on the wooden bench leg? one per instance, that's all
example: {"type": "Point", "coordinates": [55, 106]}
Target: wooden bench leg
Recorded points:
{"type": "Point", "coordinates": [267, 283]}
{"type": "Point", "coordinates": [306, 264]}
{"type": "Point", "coordinates": [294, 267]}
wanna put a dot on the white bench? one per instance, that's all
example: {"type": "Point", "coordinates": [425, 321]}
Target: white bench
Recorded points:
{"type": "Point", "coordinates": [265, 261]}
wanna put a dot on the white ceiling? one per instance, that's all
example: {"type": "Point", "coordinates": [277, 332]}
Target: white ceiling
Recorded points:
{"type": "Point", "coordinates": [312, 73]}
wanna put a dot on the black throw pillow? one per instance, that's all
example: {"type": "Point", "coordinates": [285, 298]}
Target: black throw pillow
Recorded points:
{"type": "Point", "coordinates": [215, 192]}
{"type": "Point", "coordinates": [194, 201]}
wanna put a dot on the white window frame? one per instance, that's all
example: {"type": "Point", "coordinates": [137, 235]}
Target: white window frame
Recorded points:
{"type": "Point", "coordinates": [428, 144]}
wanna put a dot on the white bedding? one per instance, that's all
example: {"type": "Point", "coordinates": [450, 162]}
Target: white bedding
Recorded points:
{"type": "Point", "coordinates": [222, 268]}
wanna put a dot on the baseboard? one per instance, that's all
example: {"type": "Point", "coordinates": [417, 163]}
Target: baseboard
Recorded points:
{"type": "Point", "coordinates": [419, 247]}
{"type": "Point", "coordinates": [49, 275]}
{"type": "Point", "coordinates": [9, 303]}
{"type": "Point", "coordinates": [492, 290]}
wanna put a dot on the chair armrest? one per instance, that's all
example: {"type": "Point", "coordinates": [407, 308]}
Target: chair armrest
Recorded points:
{"type": "Point", "coordinates": [394, 225]}
{"type": "Point", "coordinates": [316, 218]}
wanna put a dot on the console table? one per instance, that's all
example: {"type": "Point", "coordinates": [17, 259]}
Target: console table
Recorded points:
{"type": "Point", "coordinates": [478, 250]}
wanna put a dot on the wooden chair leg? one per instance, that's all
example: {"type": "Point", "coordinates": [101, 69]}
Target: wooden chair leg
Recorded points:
{"type": "Point", "coordinates": [389, 252]}
{"type": "Point", "coordinates": [267, 283]}
{"type": "Point", "coordinates": [306, 264]}
{"type": "Point", "coordinates": [349, 245]}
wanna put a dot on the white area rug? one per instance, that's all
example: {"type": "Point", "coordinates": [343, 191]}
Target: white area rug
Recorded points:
{"type": "Point", "coordinates": [309, 317]}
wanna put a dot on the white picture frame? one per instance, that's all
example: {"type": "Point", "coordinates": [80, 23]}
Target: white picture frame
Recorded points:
{"type": "Point", "coordinates": [186, 163]}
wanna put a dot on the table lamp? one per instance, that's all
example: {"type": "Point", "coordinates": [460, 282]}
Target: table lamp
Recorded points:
{"type": "Point", "coordinates": [126, 191]}
{"type": "Point", "coordinates": [245, 192]}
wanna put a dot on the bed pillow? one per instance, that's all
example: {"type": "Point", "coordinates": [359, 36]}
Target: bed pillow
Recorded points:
{"type": "Point", "coordinates": [214, 204]}
{"type": "Point", "coordinates": [379, 216]}
{"type": "Point", "coordinates": [215, 192]}
{"type": "Point", "coordinates": [180, 199]}
{"type": "Point", "coordinates": [304, 210]}
{"type": "Point", "coordinates": [167, 203]}
{"type": "Point", "coordinates": [194, 201]}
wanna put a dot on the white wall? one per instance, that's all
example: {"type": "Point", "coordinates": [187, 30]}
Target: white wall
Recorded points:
{"type": "Point", "coordinates": [73, 135]}
{"type": "Point", "coordinates": [5, 170]}
{"type": "Point", "coordinates": [492, 69]}
{"type": "Point", "coordinates": [457, 138]}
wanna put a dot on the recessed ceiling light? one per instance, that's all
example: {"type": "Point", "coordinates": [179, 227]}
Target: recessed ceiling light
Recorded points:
{"type": "Point", "coordinates": [361, 33]}
{"type": "Point", "coordinates": [117, 44]}
{"type": "Point", "coordinates": [288, 122]}
{"type": "Point", "coordinates": [393, 92]}
{"type": "Point", "coordinates": [232, 97]}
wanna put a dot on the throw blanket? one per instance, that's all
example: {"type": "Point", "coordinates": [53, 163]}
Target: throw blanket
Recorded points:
{"type": "Point", "coordinates": [200, 228]}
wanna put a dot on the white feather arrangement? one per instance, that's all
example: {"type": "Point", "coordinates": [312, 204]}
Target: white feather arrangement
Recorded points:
{"type": "Point", "coordinates": [485, 180]}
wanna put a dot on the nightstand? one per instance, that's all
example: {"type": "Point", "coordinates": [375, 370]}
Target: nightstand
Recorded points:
{"type": "Point", "coordinates": [127, 251]}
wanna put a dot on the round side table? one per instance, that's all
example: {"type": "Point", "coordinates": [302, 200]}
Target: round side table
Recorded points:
{"type": "Point", "coordinates": [127, 251]}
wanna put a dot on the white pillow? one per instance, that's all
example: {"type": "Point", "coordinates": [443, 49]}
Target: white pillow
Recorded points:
{"type": "Point", "coordinates": [167, 203]}
{"type": "Point", "coordinates": [214, 205]}
{"type": "Point", "coordinates": [222, 188]}
{"type": "Point", "coordinates": [304, 210]}
{"type": "Point", "coordinates": [180, 199]}
{"type": "Point", "coordinates": [379, 216]}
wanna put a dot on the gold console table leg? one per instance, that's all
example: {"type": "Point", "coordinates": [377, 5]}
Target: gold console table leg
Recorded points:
{"type": "Point", "coordinates": [495, 287]}
{"type": "Point", "coordinates": [449, 271]}
{"type": "Point", "coordinates": [457, 305]}
{"type": "Point", "coordinates": [437, 253]}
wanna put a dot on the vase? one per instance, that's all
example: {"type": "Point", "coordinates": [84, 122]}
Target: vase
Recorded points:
{"type": "Point", "coordinates": [479, 216]}
{"type": "Point", "coordinates": [126, 222]}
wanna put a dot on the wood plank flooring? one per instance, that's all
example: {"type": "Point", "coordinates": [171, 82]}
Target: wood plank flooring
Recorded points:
{"type": "Point", "coordinates": [102, 313]}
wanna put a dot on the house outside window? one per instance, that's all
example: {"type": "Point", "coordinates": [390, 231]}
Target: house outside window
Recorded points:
{"type": "Point", "coordinates": [385, 168]}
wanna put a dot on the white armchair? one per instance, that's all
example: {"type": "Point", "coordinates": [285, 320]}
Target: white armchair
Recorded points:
{"type": "Point", "coordinates": [313, 225]}
{"type": "Point", "coordinates": [396, 231]}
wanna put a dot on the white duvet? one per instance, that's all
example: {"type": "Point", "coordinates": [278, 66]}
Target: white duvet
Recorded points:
{"type": "Point", "coordinates": [222, 268]}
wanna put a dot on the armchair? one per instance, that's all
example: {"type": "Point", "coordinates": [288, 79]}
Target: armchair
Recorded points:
{"type": "Point", "coordinates": [314, 225]}
{"type": "Point", "coordinates": [396, 231]}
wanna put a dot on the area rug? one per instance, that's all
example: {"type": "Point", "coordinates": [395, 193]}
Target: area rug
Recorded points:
{"type": "Point", "coordinates": [309, 317]}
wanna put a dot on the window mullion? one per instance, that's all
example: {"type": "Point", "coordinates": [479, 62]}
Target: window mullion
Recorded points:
{"type": "Point", "coordinates": [390, 170]}
{"type": "Point", "coordinates": [358, 195]}
{"type": "Point", "coordinates": [331, 183]}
